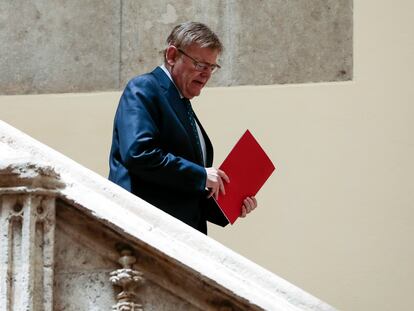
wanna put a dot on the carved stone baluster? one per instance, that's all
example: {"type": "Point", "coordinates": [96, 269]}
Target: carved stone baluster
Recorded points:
{"type": "Point", "coordinates": [27, 225]}
{"type": "Point", "coordinates": [26, 301]}
{"type": "Point", "coordinates": [128, 279]}
{"type": "Point", "coordinates": [46, 215]}
{"type": "Point", "coordinates": [6, 236]}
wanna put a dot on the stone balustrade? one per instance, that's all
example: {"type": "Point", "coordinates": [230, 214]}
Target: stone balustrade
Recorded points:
{"type": "Point", "coordinates": [72, 240]}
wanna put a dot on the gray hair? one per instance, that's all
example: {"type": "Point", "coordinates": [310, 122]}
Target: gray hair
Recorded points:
{"type": "Point", "coordinates": [185, 34]}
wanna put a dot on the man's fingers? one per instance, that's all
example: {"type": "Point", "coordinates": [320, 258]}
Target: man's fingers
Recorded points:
{"type": "Point", "coordinates": [215, 182]}
{"type": "Point", "coordinates": [247, 205]}
{"type": "Point", "coordinates": [223, 175]}
{"type": "Point", "coordinates": [213, 192]}
{"type": "Point", "coordinates": [254, 202]}
{"type": "Point", "coordinates": [250, 203]}
{"type": "Point", "coordinates": [244, 213]}
{"type": "Point", "coordinates": [221, 186]}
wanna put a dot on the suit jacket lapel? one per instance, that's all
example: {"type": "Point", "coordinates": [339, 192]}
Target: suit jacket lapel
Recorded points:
{"type": "Point", "coordinates": [174, 99]}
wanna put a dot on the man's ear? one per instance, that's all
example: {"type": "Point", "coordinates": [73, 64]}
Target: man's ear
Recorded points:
{"type": "Point", "coordinates": [171, 55]}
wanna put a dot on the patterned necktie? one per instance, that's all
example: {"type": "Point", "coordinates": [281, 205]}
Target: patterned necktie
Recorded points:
{"type": "Point", "coordinates": [191, 118]}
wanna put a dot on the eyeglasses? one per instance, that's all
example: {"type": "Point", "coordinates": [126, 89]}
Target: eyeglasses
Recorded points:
{"type": "Point", "coordinates": [200, 66]}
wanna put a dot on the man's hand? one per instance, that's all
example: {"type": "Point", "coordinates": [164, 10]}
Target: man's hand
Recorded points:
{"type": "Point", "coordinates": [215, 181]}
{"type": "Point", "coordinates": [249, 204]}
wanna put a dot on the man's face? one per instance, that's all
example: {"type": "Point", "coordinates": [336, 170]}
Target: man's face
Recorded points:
{"type": "Point", "coordinates": [188, 80]}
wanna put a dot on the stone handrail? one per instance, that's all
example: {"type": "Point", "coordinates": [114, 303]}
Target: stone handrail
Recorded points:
{"type": "Point", "coordinates": [33, 176]}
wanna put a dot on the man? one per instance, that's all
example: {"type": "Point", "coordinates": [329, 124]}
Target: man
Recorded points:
{"type": "Point", "coordinates": [160, 152]}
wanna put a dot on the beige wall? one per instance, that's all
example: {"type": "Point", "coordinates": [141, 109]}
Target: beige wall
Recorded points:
{"type": "Point", "coordinates": [337, 217]}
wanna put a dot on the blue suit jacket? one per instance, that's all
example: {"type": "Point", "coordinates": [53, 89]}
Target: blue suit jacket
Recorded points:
{"type": "Point", "coordinates": [154, 155]}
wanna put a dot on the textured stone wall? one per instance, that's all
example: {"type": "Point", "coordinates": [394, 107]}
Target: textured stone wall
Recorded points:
{"type": "Point", "coordinates": [53, 46]}
{"type": "Point", "coordinates": [77, 46]}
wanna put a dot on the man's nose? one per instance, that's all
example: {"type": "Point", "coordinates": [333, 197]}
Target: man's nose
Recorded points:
{"type": "Point", "coordinates": [207, 72]}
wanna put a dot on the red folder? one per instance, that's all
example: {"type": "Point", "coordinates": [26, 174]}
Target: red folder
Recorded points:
{"type": "Point", "coordinates": [248, 167]}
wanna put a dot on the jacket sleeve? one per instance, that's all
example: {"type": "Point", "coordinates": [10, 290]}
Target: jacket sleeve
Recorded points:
{"type": "Point", "coordinates": [137, 122]}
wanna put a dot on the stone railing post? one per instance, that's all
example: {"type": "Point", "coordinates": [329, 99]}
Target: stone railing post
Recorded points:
{"type": "Point", "coordinates": [27, 227]}
{"type": "Point", "coordinates": [128, 279]}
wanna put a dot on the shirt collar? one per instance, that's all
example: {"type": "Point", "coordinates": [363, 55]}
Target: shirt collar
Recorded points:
{"type": "Point", "coordinates": [170, 77]}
